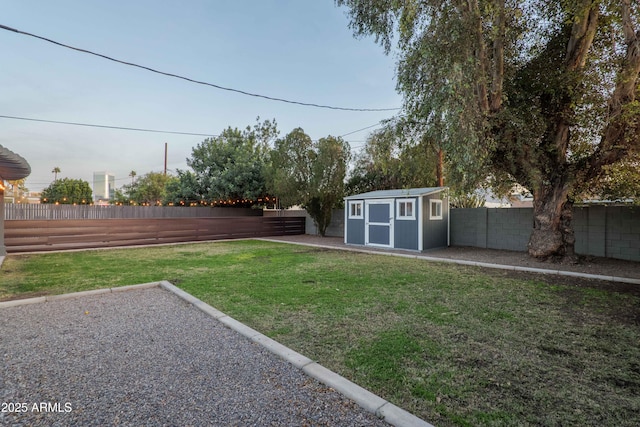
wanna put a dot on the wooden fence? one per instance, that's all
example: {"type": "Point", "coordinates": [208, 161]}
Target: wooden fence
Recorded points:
{"type": "Point", "coordinates": [47, 235]}
{"type": "Point", "coordinates": [21, 211]}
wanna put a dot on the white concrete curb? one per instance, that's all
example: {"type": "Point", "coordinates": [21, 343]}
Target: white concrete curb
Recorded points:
{"type": "Point", "coordinates": [37, 300]}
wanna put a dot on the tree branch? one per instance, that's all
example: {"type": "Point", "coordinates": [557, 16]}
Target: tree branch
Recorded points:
{"type": "Point", "coordinates": [582, 34]}
{"type": "Point", "coordinates": [497, 79]}
{"type": "Point", "coordinates": [470, 11]}
{"type": "Point", "coordinates": [622, 131]}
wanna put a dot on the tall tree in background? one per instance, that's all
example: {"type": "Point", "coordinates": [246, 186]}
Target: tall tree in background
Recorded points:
{"type": "Point", "coordinates": [290, 168]}
{"type": "Point", "coordinates": [183, 190]}
{"type": "Point", "coordinates": [149, 189]}
{"type": "Point", "coordinates": [231, 165]}
{"type": "Point", "coordinates": [388, 161]}
{"type": "Point", "coordinates": [55, 171]}
{"type": "Point", "coordinates": [326, 187]}
{"type": "Point", "coordinates": [18, 190]}
{"type": "Point", "coordinates": [67, 191]}
{"type": "Point", "coordinates": [542, 92]}
{"type": "Point", "coordinates": [310, 174]}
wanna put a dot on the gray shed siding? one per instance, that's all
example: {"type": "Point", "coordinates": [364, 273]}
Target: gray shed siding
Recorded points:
{"type": "Point", "coordinates": [354, 227]}
{"type": "Point", "coordinates": [355, 231]}
{"type": "Point", "coordinates": [435, 232]}
{"type": "Point", "coordinates": [406, 230]}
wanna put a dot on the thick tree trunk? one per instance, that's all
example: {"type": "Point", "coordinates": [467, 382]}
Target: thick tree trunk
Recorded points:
{"type": "Point", "coordinates": [440, 168]}
{"type": "Point", "coordinates": [552, 236]}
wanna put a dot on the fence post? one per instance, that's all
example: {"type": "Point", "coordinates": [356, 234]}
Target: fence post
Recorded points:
{"type": "Point", "coordinates": [3, 248]}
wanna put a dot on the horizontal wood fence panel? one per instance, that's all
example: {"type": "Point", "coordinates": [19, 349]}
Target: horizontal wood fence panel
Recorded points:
{"type": "Point", "coordinates": [21, 211]}
{"type": "Point", "coordinates": [47, 235]}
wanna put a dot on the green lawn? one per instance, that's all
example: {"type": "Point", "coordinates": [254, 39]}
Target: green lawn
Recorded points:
{"type": "Point", "coordinates": [454, 345]}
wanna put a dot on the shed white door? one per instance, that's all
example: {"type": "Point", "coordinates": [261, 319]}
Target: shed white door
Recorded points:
{"type": "Point", "coordinates": [378, 220]}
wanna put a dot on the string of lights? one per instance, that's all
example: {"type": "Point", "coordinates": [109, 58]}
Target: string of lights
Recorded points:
{"type": "Point", "coordinates": [242, 92]}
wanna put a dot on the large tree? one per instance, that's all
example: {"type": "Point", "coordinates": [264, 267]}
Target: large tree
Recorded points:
{"type": "Point", "coordinates": [67, 191]}
{"type": "Point", "coordinates": [150, 189]}
{"type": "Point", "coordinates": [541, 92]}
{"type": "Point", "coordinates": [231, 165]}
{"type": "Point", "coordinates": [184, 190]}
{"type": "Point", "coordinates": [387, 161]}
{"type": "Point", "coordinates": [290, 168]}
{"type": "Point", "coordinates": [309, 173]}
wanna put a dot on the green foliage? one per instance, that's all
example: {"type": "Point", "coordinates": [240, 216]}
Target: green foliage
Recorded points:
{"type": "Point", "coordinates": [389, 161]}
{"type": "Point", "coordinates": [496, 115]}
{"type": "Point", "coordinates": [541, 92]}
{"type": "Point", "coordinates": [184, 190]}
{"type": "Point", "coordinates": [620, 181]}
{"type": "Point", "coordinates": [67, 191]}
{"type": "Point", "coordinates": [150, 189]}
{"type": "Point", "coordinates": [469, 200]}
{"type": "Point", "coordinates": [290, 168]}
{"type": "Point", "coordinates": [310, 174]}
{"type": "Point", "coordinates": [230, 167]}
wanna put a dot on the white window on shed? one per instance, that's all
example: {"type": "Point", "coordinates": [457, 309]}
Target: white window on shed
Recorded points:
{"type": "Point", "coordinates": [355, 210]}
{"type": "Point", "coordinates": [406, 209]}
{"type": "Point", "coordinates": [435, 209]}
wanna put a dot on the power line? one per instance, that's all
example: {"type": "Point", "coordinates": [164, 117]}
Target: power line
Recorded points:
{"type": "Point", "coordinates": [360, 130]}
{"type": "Point", "coordinates": [105, 126]}
{"type": "Point", "coordinates": [270, 98]}
{"type": "Point", "coordinates": [58, 122]}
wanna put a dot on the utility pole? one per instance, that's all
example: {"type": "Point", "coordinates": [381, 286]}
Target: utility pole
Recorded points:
{"type": "Point", "coordinates": [165, 159]}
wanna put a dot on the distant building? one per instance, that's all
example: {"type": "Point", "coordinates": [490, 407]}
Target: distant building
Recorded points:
{"type": "Point", "coordinates": [33, 197]}
{"type": "Point", "coordinates": [104, 187]}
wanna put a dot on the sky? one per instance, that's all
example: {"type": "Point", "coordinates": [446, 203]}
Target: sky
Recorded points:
{"type": "Point", "coordinates": [300, 50]}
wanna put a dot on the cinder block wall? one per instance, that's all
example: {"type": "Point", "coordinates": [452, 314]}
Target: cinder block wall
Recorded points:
{"type": "Point", "coordinates": [622, 239]}
{"type": "Point", "coordinates": [468, 227]}
{"type": "Point", "coordinates": [335, 229]}
{"type": "Point", "coordinates": [505, 226]}
{"type": "Point", "coordinates": [604, 231]}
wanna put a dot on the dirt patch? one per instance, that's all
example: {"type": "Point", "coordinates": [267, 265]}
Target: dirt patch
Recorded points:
{"type": "Point", "coordinates": [588, 265]}
{"type": "Point", "coordinates": [578, 282]}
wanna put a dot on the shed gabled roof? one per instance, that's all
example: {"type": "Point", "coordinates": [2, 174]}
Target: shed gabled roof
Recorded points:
{"type": "Point", "coordinates": [390, 194]}
{"type": "Point", "coordinates": [12, 166]}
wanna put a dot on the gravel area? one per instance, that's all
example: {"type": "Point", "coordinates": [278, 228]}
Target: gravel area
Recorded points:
{"type": "Point", "coordinates": [148, 358]}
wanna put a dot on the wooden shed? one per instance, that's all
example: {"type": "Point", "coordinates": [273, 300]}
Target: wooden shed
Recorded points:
{"type": "Point", "coordinates": [414, 219]}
